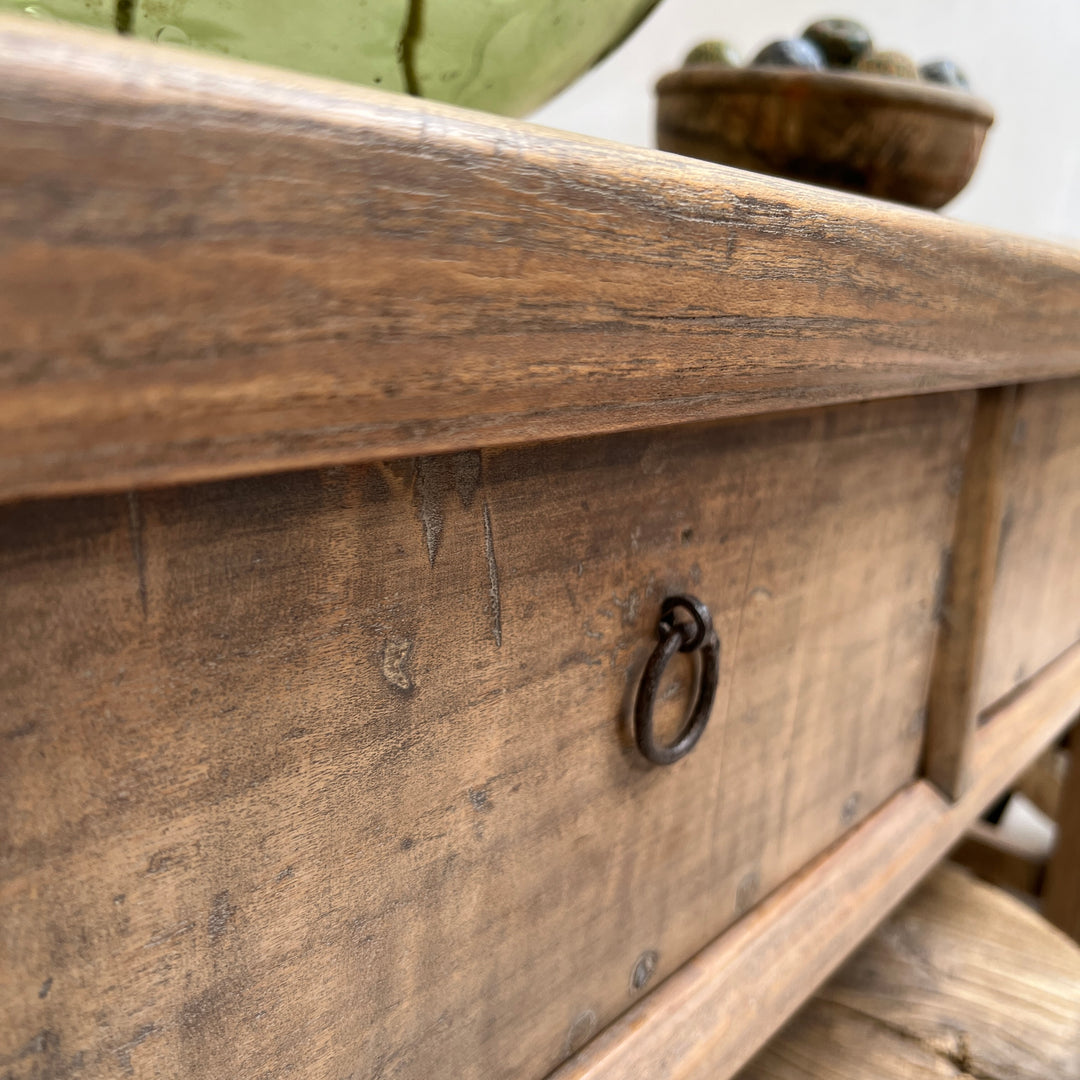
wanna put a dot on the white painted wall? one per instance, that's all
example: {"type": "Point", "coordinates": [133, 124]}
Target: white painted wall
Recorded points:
{"type": "Point", "coordinates": [1023, 56]}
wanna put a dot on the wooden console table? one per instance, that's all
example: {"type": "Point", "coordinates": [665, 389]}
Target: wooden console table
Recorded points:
{"type": "Point", "coordinates": [348, 448]}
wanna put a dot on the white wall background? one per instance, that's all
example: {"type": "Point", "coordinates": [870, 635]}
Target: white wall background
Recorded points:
{"type": "Point", "coordinates": [1023, 56]}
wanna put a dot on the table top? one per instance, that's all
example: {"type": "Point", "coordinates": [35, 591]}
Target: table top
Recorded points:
{"type": "Point", "coordinates": [211, 269]}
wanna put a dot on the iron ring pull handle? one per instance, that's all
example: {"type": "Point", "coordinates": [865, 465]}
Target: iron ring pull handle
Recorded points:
{"type": "Point", "coordinates": [697, 635]}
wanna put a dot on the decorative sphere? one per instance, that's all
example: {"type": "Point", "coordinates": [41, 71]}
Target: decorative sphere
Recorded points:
{"type": "Point", "coordinates": [713, 52]}
{"type": "Point", "coordinates": [895, 64]}
{"type": "Point", "coordinates": [790, 52]}
{"type": "Point", "coordinates": [946, 73]}
{"type": "Point", "coordinates": [842, 41]}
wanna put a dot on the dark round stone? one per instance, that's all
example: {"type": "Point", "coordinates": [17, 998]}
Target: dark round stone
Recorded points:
{"type": "Point", "coordinates": [841, 41]}
{"type": "Point", "coordinates": [713, 52]}
{"type": "Point", "coordinates": [946, 73]}
{"type": "Point", "coordinates": [895, 64]}
{"type": "Point", "coordinates": [790, 52]}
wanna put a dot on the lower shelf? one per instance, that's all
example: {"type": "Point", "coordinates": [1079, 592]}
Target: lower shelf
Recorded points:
{"type": "Point", "coordinates": [715, 1012]}
{"type": "Point", "coordinates": [924, 997]}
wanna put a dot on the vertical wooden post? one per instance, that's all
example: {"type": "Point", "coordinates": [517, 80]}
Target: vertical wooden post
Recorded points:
{"type": "Point", "coordinates": [954, 682]}
{"type": "Point", "coordinates": [1061, 894]}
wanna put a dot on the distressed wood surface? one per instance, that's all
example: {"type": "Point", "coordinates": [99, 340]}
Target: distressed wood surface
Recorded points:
{"type": "Point", "coordinates": [708, 1019]}
{"type": "Point", "coordinates": [1061, 897]}
{"type": "Point", "coordinates": [965, 612]}
{"type": "Point", "coordinates": [962, 981]}
{"type": "Point", "coordinates": [210, 269]}
{"type": "Point", "coordinates": [1035, 608]}
{"type": "Point", "coordinates": [327, 773]}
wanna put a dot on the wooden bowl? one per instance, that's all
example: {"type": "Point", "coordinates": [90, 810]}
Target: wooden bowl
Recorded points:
{"type": "Point", "coordinates": [898, 139]}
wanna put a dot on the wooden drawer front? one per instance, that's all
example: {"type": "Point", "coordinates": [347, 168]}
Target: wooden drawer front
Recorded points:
{"type": "Point", "coordinates": [1035, 610]}
{"type": "Point", "coordinates": [326, 774]}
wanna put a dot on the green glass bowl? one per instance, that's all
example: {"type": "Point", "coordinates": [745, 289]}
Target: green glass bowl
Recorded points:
{"type": "Point", "coordinates": [506, 56]}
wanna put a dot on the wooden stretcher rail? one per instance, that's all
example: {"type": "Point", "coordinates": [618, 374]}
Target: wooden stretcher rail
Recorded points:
{"type": "Point", "coordinates": [713, 1014]}
{"type": "Point", "coordinates": [211, 269]}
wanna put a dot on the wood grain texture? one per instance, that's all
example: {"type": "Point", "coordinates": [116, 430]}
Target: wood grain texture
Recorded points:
{"type": "Point", "coordinates": [1061, 897]}
{"type": "Point", "coordinates": [211, 269]}
{"type": "Point", "coordinates": [965, 613]}
{"type": "Point", "coordinates": [1035, 609]}
{"type": "Point", "coordinates": [708, 1019]}
{"type": "Point", "coordinates": [327, 773]}
{"type": "Point", "coordinates": [962, 981]}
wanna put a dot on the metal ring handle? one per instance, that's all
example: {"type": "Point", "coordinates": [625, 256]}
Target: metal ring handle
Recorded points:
{"type": "Point", "coordinates": [678, 637]}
